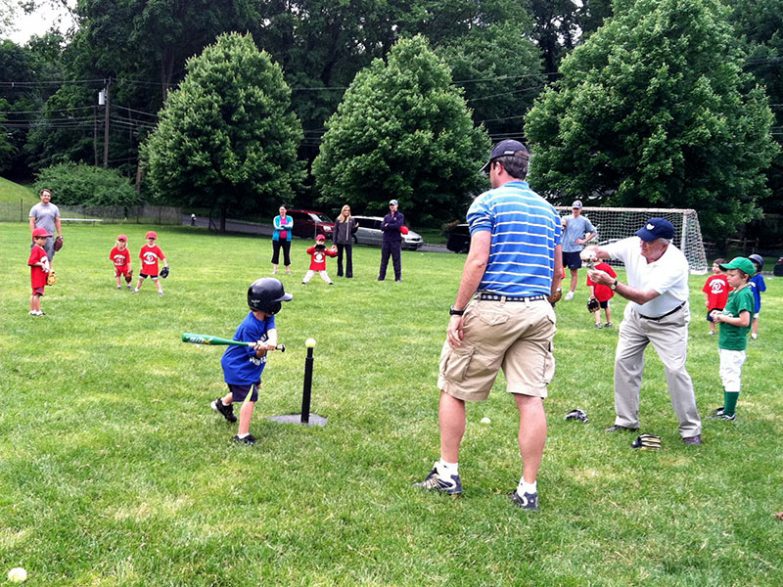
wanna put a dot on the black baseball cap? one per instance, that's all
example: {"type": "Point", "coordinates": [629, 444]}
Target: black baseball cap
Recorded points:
{"type": "Point", "coordinates": [507, 148]}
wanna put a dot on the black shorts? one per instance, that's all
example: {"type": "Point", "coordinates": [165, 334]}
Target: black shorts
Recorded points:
{"type": "Point", "coordinates": [239, 392]}
{"type": "Point", "coordinates": [605, 304]}
{"type": "Point", "coordinates": [145, 276]}
{"type": "Point", "coordinates": [710, 311]}
{"type": "Point", "coordinates": [572, 260]}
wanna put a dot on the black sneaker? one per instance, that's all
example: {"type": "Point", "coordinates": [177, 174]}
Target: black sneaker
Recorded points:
{"type": "Point", "coordinates": [727, 417]}
{"type": "Point", "coordinates": [435, 482]}
{"type": "Point", "coordinates": [618, 428]}
{"type": "Point", "coordinates": [226, 411]}
{"type": "Point", "coordinates": [526, 501]}
{"type": "Point", "coordinates": [249, 439]}
{"type": "Point", "coordinates": [717, 413]}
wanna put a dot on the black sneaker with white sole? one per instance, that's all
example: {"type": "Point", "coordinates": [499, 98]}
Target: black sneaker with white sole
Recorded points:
{"type": "Point", "coordinates": [226, 411]}
{"type": "Point", "coordinates": [249, 439]}
{"type": "Point", "coordinates": [434, 482]}
{"type": "Point", "coordinates": [717, 413]}
{"type": "Point", "coordinates": [526, 501]}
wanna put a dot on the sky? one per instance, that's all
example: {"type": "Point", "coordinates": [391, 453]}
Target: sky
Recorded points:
{"type": "Point", "coordinates": [27, 25]}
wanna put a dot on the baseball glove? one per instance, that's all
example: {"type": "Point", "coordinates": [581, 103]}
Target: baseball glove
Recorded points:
{"type": "Point", "coordinates": [577, 414]}
{"type": "Point", "coordinates": [129, 276]}
{"type": "Point", "coordinates": [51, 278]}
{"type": "Point", "coordinates": [58, 243]}
{"type": "Point", "coordinates": [647, 442]}
{"type": "Point", "coordinates": [593, 305]}
{"type": "Point", "coordinates": [555, 297]}
{"type": "Point", "coordinates": [164, 273]}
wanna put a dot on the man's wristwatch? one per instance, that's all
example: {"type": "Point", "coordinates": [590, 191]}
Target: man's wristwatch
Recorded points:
{"type": "Point", "coordinates": [614, 285]}
{"type": "Point", "coordinates": [454, 312]}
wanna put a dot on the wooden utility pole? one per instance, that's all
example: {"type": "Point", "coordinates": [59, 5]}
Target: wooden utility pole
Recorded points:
{"type": "Point", "coordinates": [106, 125]}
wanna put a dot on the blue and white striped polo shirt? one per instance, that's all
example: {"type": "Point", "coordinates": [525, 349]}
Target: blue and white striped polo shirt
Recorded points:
{"type": "Point", "coordinates": [525, 230]}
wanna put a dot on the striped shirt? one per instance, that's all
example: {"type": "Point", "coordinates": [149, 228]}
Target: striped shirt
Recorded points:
{"type": "Point", "coordinates": [525, 230]}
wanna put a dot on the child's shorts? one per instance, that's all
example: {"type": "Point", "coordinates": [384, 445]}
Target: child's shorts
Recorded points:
{"type": "Point", "coordinates": [38, 291]}
{"type": "Point", "coordinates": [239, 392]}
{"type": "Point", "coordinates": [710, 311]}
{"type": "Point", "coordinates": [145, 276]}
{"type": "Point", "coordinates": [604, 305]}
{"type": "Point", "coordinates": [120, 271]}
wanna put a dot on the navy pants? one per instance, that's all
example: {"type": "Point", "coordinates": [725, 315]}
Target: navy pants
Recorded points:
{"type": "Point", "coordinates": [393, 249]}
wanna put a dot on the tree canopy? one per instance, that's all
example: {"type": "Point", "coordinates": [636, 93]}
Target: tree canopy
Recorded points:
{"type": "Point", "coordinates": [655, 110]}
{"type": "Point", "coordinates": [227, 138]}
{"type": "Point", "coordinates": [402, 131]}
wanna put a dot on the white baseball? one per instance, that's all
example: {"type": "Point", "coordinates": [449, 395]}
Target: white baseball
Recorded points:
{"type": "Point", "coordinates": [310, 343]}
{"type": "Point", "coordinates": [17, 575]}
{"type": "Point", "coordinates": [486, 420]}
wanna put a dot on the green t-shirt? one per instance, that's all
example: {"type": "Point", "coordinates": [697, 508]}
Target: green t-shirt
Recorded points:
{"type": "Point", "coordinates": [735, 338]}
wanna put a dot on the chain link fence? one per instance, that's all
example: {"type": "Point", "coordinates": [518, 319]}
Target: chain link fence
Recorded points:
{"type": "Point", "coordinates": [145, 214]}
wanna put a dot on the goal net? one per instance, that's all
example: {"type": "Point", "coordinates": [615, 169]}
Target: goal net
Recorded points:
{"type": "Point", "coordinates": [613, 224]}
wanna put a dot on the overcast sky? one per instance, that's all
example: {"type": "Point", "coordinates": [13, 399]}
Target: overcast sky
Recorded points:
{"type": "Point", "coordinates": [27, 25]}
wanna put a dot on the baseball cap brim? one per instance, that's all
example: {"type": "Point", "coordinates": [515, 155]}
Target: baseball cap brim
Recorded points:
{"type": "Point", "coordinates": [741, 263]}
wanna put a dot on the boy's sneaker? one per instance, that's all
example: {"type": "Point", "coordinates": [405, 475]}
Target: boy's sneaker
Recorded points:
{"type": "Point", "coordinates": [249, 439]}
{"type": "Point", "coordinates": [717, 413]}
{"type": "Point", "coordinates": [569, 296]}
{"type": "Point", "coordinates": [727, 417]}
{"type": "Point", "coordinates": [608, 325]}
{"type": "Point", "coordinates": [526, 501]}
{"type": "Point", "coordinates": [599, 325]}
{"type": "Point", "coordinates": [226, 411]}
{"type": "Point", "coordinates": [435, 482]}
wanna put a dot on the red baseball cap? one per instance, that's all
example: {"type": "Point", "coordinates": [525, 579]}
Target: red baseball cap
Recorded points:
{"type": "Point", "coordinates": [38, 232]}
{"type": "Point", "coordinates": [152, 234]}
{"type": "Point", "coordinates": [122, 237]}
{"type": "Point", "coordinates": [320, 237]}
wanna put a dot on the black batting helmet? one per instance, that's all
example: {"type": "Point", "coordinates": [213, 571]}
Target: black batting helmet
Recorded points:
{"type": "Point", "coordinates": [758, 261]}
{"type": "Point", "coordinates": [266, 295]}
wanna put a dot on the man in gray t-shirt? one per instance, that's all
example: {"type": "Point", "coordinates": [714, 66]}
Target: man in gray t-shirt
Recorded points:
{"type": "Point", "coordinates": [47, 216]}
{"type": "Point", "coordinates": [577, 232]}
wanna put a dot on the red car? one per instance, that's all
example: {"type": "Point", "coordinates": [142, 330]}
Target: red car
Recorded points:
{"type": "Point", "coordinates": [309, 224]}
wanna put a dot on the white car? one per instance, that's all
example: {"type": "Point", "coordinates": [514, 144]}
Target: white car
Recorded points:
{"type": "Point", "coordinates": [370, 233]}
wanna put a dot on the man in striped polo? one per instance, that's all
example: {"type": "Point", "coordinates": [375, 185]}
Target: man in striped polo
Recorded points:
{"type": "Point", "coordinates": [502, 318]}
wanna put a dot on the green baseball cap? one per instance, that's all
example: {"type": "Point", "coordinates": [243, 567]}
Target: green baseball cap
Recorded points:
{"type": "Point", "coordinates": [742, 263]}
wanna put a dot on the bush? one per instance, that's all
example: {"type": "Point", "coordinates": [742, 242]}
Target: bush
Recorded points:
{"type": "Point", "coordinates": [77, 183]}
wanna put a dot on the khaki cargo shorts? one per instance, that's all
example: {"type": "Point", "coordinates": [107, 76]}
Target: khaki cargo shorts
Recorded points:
{"type": "Point", "coordinates": [513, 336]}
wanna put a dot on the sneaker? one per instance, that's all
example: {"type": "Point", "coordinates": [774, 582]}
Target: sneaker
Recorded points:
{"type": "Point", "coordinates": [599, 325]}
{"type": "Point", "coordinates": [608, 325]}
{"type": "Point", "coordinates": [569, 296]}
{"type": "Point", "coordinates": [226, 411]}
{"type": "Point", "coordinates": [119, 287]}
{"type": "Point", "coordinates": [160, 293]}
{"type": "Point", "coordinates": [135, 290]}
{"type": "Point", "coordinates": [249, 439]}
{"type": "Point", "coordinates": [754, 336]}
{"type": "Point", "coordinates": [435, 482]}
{"type": "Point", "coordinates": [288, 272]}
{"type": "Point", "coordinates": [526, 501]}
{"type": "Point", "coordinates": [618, 428]}
{"type": "Point", "coordinates": [693, 440]}
{"type": "Point", "coordinates": [717, 413]}
{"type": "Point", "coordinates": [130, 287]}
{"type": "Point", "coordinates": [727, 417]}
{"type": "Point", "coordinates": [712, 333]}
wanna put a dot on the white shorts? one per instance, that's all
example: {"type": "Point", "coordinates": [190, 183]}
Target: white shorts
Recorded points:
{"type": "Point", "coordinates": [731, 369]}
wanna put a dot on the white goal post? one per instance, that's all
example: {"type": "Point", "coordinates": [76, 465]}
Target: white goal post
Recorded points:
{"type": "Point", "coordinates": [614, 224]}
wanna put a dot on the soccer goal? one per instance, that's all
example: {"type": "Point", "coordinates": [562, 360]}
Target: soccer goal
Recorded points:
{"type": "Point", "coordinates": [614, 224]}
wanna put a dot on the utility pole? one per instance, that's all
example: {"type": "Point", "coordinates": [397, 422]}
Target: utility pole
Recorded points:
{"type": "Point", "coordinates": [107, 99]}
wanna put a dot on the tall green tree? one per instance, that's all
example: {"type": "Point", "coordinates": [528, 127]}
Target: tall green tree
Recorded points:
{"type": "Point", "coordinates": [655, 110]}
{"type": "Point", "coordinates": [402, 131]}
{"type": "Point", "coordinates": [227, 138]}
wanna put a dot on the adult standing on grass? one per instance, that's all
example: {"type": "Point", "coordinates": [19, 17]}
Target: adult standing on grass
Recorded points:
{"type": "Point", "coordinates": [392, 241]}
{"type": "Point", "coordinates": [47, 216]}
{"type": "Point", "coordinates": [502, 318]}
{"type": "Point", "coordinates": [577, 232]}
{"type": "Point", "coordinates": [344, 228]}
{"type": "Point", "coordinates": [658, 314]}
{"type": "Point", "coordinates": [281, 239]}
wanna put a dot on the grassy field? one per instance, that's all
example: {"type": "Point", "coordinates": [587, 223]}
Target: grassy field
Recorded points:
{"type": "Point", "coordinates": [114, 470]}
{"type": "Point", "coordinates": [14, 192]}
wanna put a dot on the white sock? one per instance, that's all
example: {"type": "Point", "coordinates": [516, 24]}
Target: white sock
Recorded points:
{"type": "Point", "coordinates": [525, 487]}
{"type": "Point", "coordinates": [243, 435]}
{"type": "Point", "coordinates": [447, 469]}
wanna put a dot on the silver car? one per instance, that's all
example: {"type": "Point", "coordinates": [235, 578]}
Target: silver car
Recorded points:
{"type": "Point", "coordinates": [370, 233]}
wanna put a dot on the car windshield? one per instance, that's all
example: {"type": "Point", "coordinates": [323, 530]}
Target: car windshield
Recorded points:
{"type": "Point", "coordinates": [323, 218]}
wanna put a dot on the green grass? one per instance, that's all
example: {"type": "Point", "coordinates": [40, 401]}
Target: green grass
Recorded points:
{"type": "Point", "coordinates": [114, 471]}
{"type": "Point", "coordinates": [14, 192]}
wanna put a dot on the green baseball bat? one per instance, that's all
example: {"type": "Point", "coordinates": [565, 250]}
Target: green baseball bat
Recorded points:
{"type": "Point", "coordinates": [219, 341]}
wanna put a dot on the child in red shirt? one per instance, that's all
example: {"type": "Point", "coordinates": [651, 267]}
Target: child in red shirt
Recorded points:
{"type": "Point", "coordinates": [39, 270]}
{"type": "Point", "coordinates": [150, 254]}
{"type": "Point", "coordinates": [318, 254]}
{"type": "Point", "coordinates": [602, 293]}
{"type": "Point", "coordinates": [120, 256]}
{"type": "Point", "coordinates": [716, 291]}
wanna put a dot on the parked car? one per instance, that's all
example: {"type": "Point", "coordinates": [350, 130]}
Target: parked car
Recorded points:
{"type": "Point", "coordinates": [309, 224]}
{"type": "Point", "coordinates": [458, 238]}
{"type": "Point", "coordinates": [370, 233]}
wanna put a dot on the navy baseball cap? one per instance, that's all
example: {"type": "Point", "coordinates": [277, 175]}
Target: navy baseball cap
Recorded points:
{"type": "Point", "coordinates": [505, 148]}
{"type": "Point", "coordinates": [656, 228]}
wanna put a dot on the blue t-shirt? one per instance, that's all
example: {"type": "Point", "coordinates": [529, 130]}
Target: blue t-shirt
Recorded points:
{"type": "Point", "coordinates": [757, 285]}
{"type": "Point", "coordinates": [525, 230]}
{"type": "Point", "coordinates": [576, 227]}
{"type": "Point", "coordinates": [240, 364]}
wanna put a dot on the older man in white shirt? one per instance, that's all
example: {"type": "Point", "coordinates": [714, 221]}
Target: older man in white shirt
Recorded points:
{"type": "Point", "coordinates": [657, 314]}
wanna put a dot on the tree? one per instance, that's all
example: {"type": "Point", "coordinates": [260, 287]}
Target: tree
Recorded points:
{"type": "Point", "coordinates": [655, 110]}
{"type": "Point", "coordinates": [87, 185]}
{"type": "Point", "coordinates": [227, 139]}
{"type": "Point", "coordinates": [402, 131]}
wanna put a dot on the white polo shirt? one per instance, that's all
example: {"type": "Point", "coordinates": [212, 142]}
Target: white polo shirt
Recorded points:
{"type": "Point", "coordinates": [668, 275]}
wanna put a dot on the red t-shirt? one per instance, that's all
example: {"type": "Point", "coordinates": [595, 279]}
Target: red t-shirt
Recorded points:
{"type": "Point", "coordinates": [149, 259]}
{"type": "Point", "coordinates": [717, 290]}
{"type": "Point", "coordinates": [318, 258]}
{"type": "Point", "coordinates": [37, 272]}
{"type": "Point", "coordinates": [603, 293]}
{"type": "Point", "coordinates": [121, 259]}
